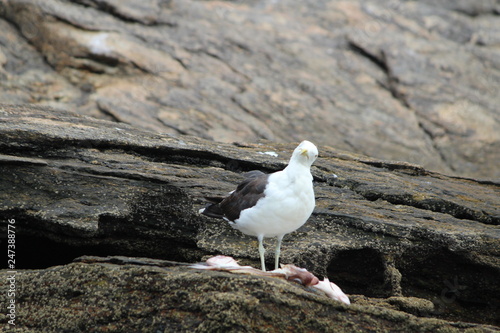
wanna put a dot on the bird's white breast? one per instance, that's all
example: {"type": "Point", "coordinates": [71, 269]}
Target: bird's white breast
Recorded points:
{"type": "Point", "coordinates": [286, 206]}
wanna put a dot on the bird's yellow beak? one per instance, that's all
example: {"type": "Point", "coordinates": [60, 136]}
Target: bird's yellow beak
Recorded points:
{"type": "Point", "coordinates": [303, 151]}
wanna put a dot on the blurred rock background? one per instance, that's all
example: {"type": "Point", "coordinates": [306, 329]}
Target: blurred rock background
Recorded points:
{"type": "Point", "coordinates": [416, 81]}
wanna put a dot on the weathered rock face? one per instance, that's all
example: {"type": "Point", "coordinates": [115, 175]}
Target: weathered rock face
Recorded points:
{"type": "Point", "coordinates": [400, 80]}
{"type": "Point", "coordinates": [153, 299]}
{"type": "Point", "coordinates": [393, 236]}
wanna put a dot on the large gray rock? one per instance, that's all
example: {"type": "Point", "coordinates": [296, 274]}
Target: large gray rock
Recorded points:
{"type": "Point", "coordinates": [130, 298]}
{"type": "Point", "coordinates": [399, 80]}
{"type": "Point", "coordinates": [391, 235]}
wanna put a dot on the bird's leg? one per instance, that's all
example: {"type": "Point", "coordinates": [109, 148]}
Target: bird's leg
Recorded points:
{"type": "Point", "coordinates": [261, 252]}
{"type": "Point", "coordinates": [278, 251]}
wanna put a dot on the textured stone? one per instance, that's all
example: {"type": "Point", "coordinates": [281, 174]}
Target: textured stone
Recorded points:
{"type": "Point", "coordinates": [399, 80]}
{"type": "Point", "coordinates": [106, 297]}
{"type": "Point", "coordinates": [392, 235]}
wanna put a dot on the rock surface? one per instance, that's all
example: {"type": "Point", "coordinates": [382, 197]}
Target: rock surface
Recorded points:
{"type": "Point", "coordinates": [403, 242]}
{"type": "Point", "coordinates": [153, 299]}
{"type": "Point", "coordinates": [398, 80]}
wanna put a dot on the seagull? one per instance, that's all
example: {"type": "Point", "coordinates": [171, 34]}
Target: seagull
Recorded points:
{"type": "Point", "coordinates": [270, 205]}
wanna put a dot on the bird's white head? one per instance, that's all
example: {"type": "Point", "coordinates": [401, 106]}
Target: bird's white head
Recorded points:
{"type": "Point", "coordinates": [305, 153]}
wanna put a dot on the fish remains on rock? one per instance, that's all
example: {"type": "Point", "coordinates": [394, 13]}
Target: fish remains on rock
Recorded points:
{"type": "Point", "coordinates": [288, 272]}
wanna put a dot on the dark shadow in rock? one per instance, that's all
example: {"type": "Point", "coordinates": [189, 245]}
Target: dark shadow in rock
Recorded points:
{"type": "Point", "coordinates": [452, 281]}
{"type": "Point", "coordinates": [35, 252]}
{"type": "Point", "coordinates": [359, 272]}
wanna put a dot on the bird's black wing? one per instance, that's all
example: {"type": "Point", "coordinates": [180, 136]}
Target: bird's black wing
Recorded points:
{"type": "Point", "coordinates": [245, 196]}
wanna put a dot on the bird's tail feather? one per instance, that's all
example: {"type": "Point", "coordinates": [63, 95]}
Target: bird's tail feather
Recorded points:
{"type": "Point", "coordinates": [212, 210]}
